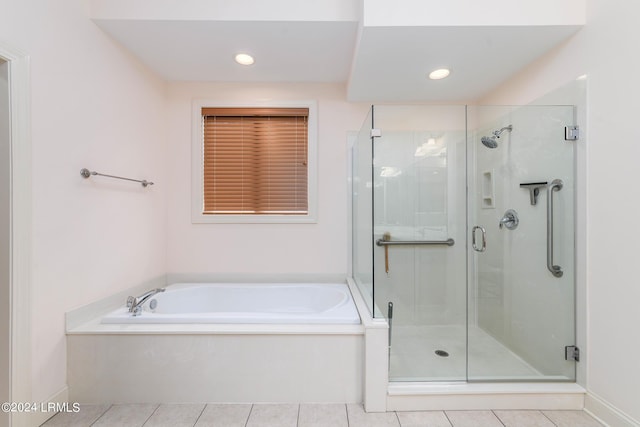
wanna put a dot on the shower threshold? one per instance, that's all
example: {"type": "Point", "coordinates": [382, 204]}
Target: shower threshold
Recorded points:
{"type": "Point", "coordinates": [418, 396]}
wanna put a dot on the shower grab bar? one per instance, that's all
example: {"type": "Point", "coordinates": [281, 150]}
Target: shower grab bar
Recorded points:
{"type": "Point", "coordinates": [556, 185]}
{"type": "Point", "coordinates": [382, 242]}
{"type": "Point", "coordinates": [86, 173]}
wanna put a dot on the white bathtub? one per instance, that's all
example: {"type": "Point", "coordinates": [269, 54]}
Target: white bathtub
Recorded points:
{"type": "Point", "coordinates": [227, 343]}
{"type": "Point", "coordinates": [279, 303]}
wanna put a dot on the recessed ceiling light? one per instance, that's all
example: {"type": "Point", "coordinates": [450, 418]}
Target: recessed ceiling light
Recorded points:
{"type": "Point", "coordinates": [440, 73]}
{"type": "Point", "coordinates": [244, 59]}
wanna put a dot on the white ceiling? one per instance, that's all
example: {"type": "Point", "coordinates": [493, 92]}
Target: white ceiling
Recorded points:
{"type": "Point", "coordinates": [377, 63]}
{"type": "Point", "coordinates": [393, 62]}
{"type": "Point", "coordinates": [204, 50]}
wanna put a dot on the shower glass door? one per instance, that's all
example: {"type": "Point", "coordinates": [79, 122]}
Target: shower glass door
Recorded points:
{"type": "Point", "coordinates": [521, 275]}
{"type": "Point", "coordinates": [419, 238]}
{"type": "Point", "coordinates": [464, 239]}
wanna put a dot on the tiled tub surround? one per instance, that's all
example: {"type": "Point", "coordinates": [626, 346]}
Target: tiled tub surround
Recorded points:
{"type": "Point", "coordinates": [181, 363]}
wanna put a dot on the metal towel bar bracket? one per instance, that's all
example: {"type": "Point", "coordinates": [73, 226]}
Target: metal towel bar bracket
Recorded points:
{"type": "Point", "coordinates": [86, 173]}
{"type": "Point", "coordinates": [382, 242]}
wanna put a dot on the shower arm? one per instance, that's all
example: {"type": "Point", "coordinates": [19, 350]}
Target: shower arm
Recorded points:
{"type": "Point", "coordinates": [499, 132]}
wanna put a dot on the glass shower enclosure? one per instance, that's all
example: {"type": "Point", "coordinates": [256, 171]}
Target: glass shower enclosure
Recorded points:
{"type": "Point", "coordinates": [463, 239]}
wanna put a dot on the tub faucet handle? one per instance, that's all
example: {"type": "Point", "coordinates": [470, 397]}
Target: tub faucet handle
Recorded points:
{"type": "Point", "coordinates": [131, 301]}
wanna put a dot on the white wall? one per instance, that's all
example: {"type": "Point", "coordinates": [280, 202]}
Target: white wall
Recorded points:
{"type": "Point", "coordinates": [287, 249]}
{"type": "Point", "coordinates": [601, 51]}
{"type": "Point", "coordinates": [92, 106]}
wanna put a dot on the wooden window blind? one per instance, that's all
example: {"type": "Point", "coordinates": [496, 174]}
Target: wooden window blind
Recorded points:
{"type": "Point", "coordinates": [255, 161]}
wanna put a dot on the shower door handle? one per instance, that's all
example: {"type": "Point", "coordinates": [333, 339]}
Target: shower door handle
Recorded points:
{"type": "Point", "coordinates": [556, 185]}
{"type": "Point", "coordinates": [484, 239]}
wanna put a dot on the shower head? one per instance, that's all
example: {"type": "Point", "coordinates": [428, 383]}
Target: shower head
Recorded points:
{"type": "Point", "coordinates": [489, 141]}
{"type": "Point", "coordinates": [492, 141]}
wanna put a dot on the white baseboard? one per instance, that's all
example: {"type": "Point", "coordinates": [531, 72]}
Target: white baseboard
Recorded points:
{"type": "Point", "coordinates": [37, 418]}
{"type": "Point", "coordinates": [607, 413]}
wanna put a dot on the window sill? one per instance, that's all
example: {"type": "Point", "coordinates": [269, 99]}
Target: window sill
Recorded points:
{"type": "Point", "coordinates": [199, 218]}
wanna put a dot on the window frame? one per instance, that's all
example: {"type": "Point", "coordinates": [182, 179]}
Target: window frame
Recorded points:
{"type": "Point", "coordinates": [197, 185]}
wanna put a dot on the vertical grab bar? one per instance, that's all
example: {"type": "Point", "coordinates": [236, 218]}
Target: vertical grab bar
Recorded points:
{"type": "Point", "coordinates": [556, 185]}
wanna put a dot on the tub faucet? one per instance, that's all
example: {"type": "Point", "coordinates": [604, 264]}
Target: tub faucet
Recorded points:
{"type": "Point", "coordinates": [135, 303]}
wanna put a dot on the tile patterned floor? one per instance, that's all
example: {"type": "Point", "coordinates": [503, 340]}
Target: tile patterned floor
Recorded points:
{"type": "Point", "coordinates": [305, 415]}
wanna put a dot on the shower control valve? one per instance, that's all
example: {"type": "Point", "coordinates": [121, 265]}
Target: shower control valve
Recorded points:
{"type": "Point", "coordinates": [509, 220]}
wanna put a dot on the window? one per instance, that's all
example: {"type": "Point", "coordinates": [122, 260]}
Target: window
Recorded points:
{"type": "Point", "coordinates": [255, 164]}
{"type": "Point", "coordinates": [255, 161]}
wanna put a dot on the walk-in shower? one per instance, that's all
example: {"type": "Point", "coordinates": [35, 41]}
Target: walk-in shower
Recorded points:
{"type": "Point", "coordinates": [468, 295]}
{"type": "Point", "coordinates": [492, 141]}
